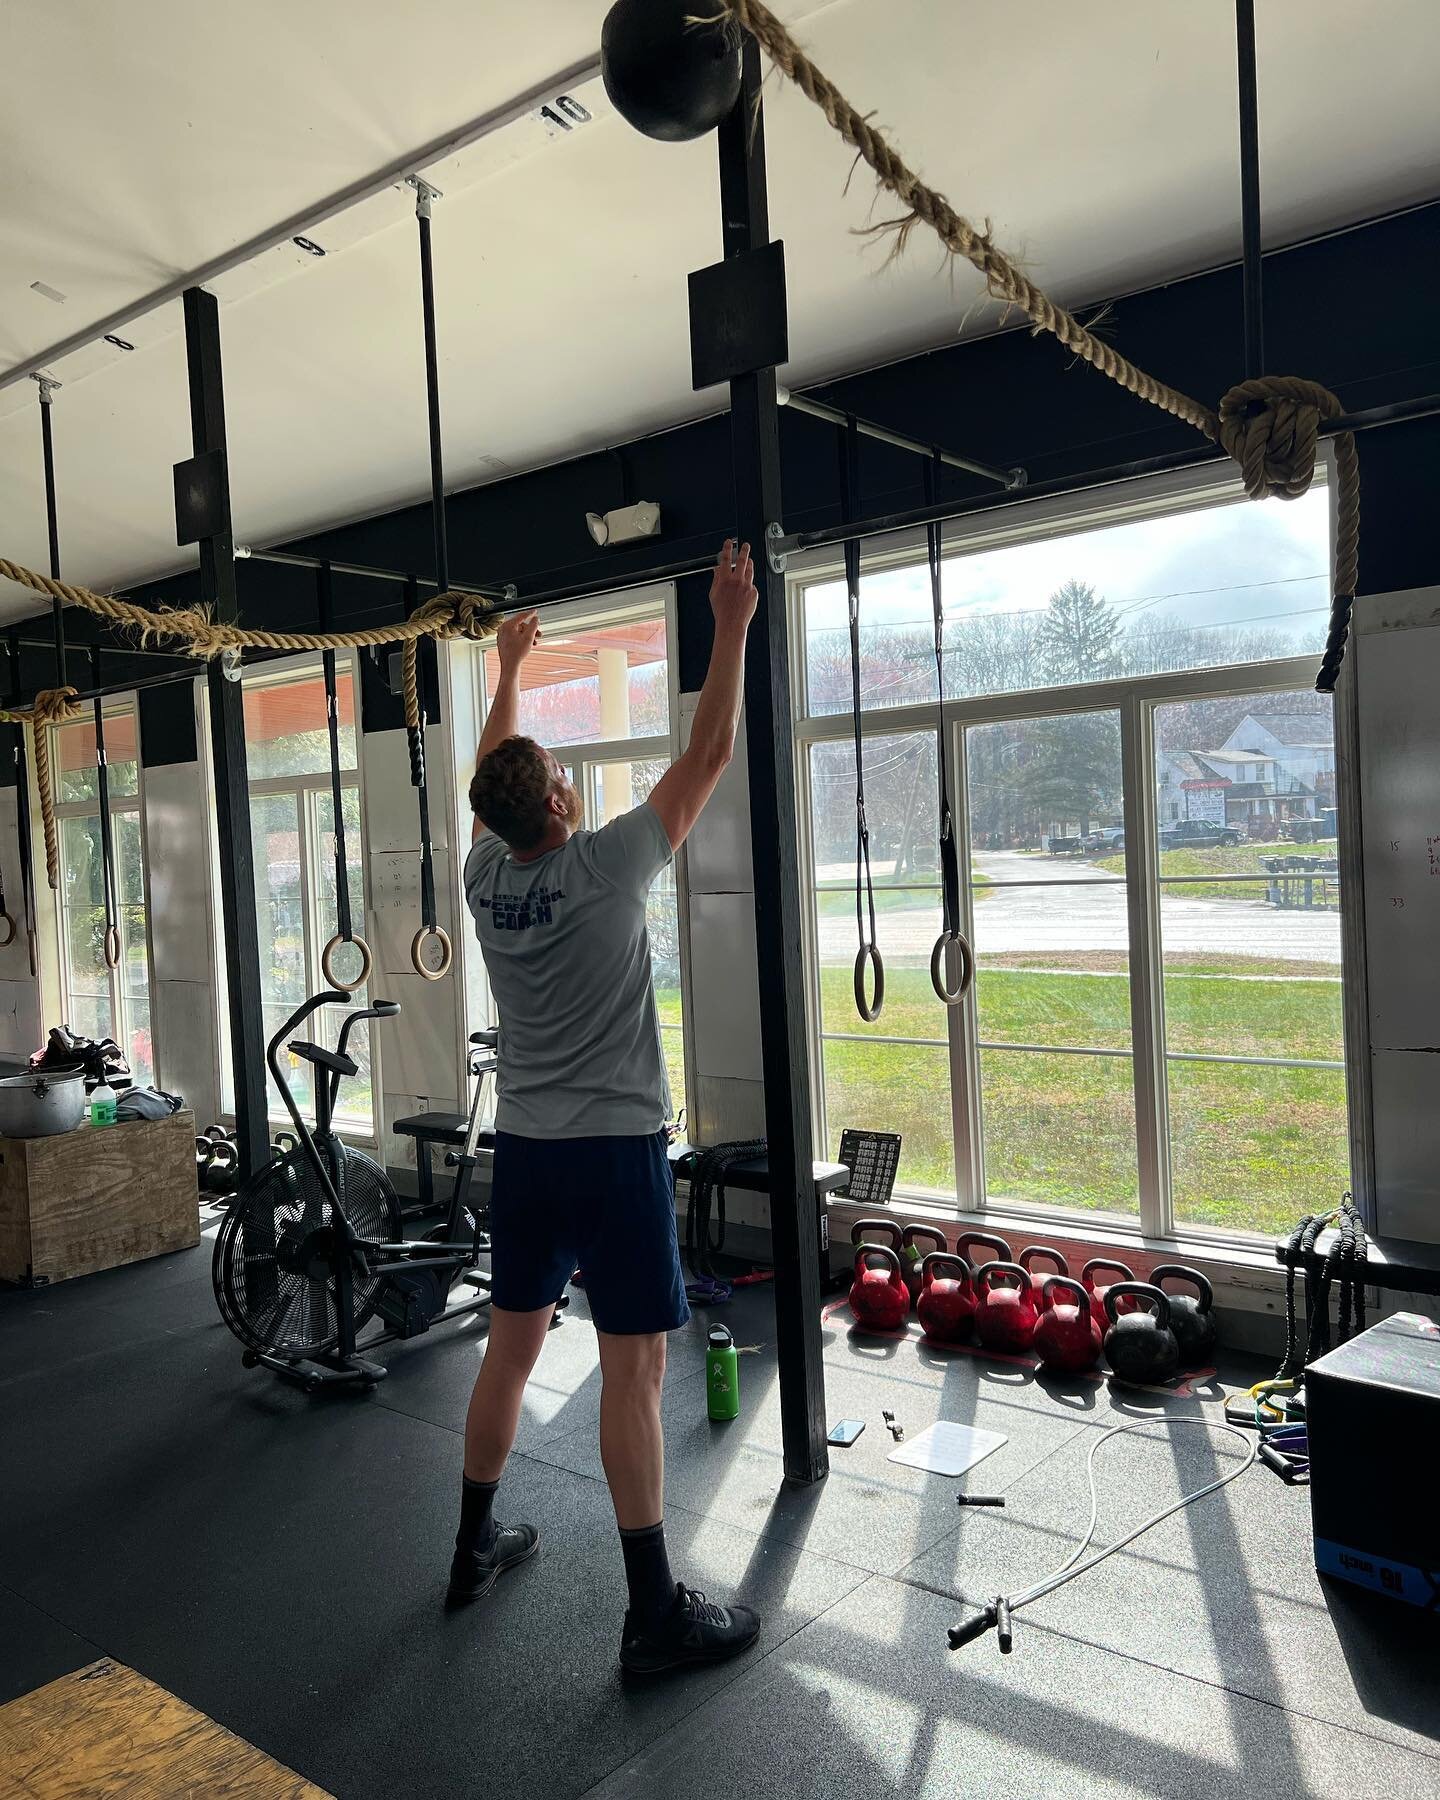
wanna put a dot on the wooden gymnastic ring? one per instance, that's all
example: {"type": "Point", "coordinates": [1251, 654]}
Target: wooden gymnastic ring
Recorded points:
{"type": "Point", "coordinates": [9, 925]}
{"type": "Point", "coordinates": [112, 946]}
{"type": "Point", "coordinates": [367, 963]}
{"type": "Point", "coordinates": [868, 955]}
{"type": "Point", "coordinates": [441, 937]}
{"type": "Point", "coordinates": [937, 967]}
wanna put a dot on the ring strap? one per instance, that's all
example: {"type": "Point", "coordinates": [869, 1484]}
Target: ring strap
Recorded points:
{"type": "Point", "coordinates": [416, 736]}
{"type": "Point", "coordinates": [344, 924]}
{"type": "Point", "coordinates": [864, 880]}
{"type": "Point", "coordinates": [949, 848]}
{"type": "Point", "coordinates": [107, 842]}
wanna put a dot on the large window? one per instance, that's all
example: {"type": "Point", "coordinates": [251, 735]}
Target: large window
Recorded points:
{"type": "Point", "coordinates": [101, 1002]}
{"type": "Point", "coordinates": [1145, 794]}
{"type": "Point", "coordinates": [596, 692]}
{"type": "Point", "coordinates": [293, 830]}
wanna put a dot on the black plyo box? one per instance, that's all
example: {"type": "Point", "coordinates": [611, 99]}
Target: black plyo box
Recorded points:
{"type": "Point", "coordinates": [1372, 1410]}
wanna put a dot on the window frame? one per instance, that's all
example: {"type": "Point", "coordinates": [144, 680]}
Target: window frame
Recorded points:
{"type": "Point", "coordinates": [114, 708]}
{"type": "Point", "coordinates": [631, 605]}
{"type": "Point", "coordinates": [1136, 699]}
{"type": "Point", "coordinates": [308, 790]}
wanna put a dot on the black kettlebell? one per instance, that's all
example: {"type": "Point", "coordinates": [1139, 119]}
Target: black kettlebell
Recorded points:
{"type": "Point", "coordinates": [222, 1172]}
{"type": "Point", "coordinates": [667, 76]}
{"type": "Point", "coordinates": [1140, 1347]}
{"type": "Point", "coordinates": [1191, 1317]}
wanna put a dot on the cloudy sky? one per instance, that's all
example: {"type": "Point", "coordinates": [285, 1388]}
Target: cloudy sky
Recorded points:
{"type": "Point", "coordinates": [1262, 564]}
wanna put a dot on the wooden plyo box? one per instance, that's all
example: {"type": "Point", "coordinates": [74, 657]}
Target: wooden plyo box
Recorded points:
{"type": "Point", "coordinates": [96, 1198]}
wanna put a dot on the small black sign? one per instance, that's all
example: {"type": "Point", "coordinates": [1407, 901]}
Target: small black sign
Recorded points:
{"type": "Point", "coordinates": [872, 1158]}
{"type": "Point", "coordinates": [738, 322]}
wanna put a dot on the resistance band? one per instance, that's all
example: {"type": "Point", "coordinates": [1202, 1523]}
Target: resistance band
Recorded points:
{"type": "Point", "coordinates": [949, 850]}
{"type": "Point", "coordinates": [867, 957]}
{"type": "Point", "coordinates": [111, 946]}
{"type": "Point", "coordinates": [344, 924]}
{"type": "Point", "coordinates": [997, 1614]}
{"type": "Point", "coordinates": [429, 924]}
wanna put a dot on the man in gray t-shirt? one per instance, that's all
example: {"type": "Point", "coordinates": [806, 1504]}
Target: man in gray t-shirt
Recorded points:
{"type": "Point", "coordinates": [581, 1175]}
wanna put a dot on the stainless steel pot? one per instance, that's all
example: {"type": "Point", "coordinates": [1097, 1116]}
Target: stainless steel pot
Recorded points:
{"type": "Point", "coordinates": [41, 1104]}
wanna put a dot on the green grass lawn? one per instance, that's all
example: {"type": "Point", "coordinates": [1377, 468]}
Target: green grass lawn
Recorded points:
{"type": "Point", "coordinates": [1252, 1147]}
{"type": "Point", "coordinates": [1225, 859]}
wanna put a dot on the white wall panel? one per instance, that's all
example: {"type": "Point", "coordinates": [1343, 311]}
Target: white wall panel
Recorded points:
{"type": "Point", "coordinates": [724, 995]}
{"type": "Point", "coordinates": [418, 1049]}
{"type": "Point", "coordinates": [20, 1028]}
{"type": "Point", "coordinates": [392, 815]}
{"type": "Point", "coordinates": [185, 1031]}
{"type": "Point", "coordinates": [177, 850]}
{"type": "Point", "coordinates": [21, 1031]}
{"type": "Point", "coordinates": [719, 846]}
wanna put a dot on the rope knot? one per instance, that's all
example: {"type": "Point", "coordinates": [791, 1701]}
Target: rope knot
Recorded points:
{"type": "Point", "coordinates": [55, 706]}
{"type": "Point", "coordinates": [1271, 427]}
{"type": "Point", "coordinates": [456, 614]}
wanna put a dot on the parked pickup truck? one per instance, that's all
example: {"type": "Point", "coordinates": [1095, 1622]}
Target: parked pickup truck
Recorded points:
{"type": "Point", "coordinates": [1065, 846]}
{"type": "Point", "coordinates": [1196, 834]}
{"type": "Point", "coordinates": [1105, 840]}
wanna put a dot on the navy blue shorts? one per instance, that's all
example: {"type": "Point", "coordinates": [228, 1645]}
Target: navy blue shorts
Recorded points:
{"type": "Point", "coordinates": [604, 1205]}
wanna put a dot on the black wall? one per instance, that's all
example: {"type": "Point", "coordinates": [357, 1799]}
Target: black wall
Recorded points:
{"type": "Point", "coordinates": [1354, 311]}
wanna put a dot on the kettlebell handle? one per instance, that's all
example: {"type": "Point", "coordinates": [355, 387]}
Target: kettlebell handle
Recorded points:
{"type": "Point", "coordinates": [939, 1259]}
{"type": "Point", "coordinates": [914, 1232]}
{"type": "Point", "coordinates": [1105, 1262]}
{"type": "Point", "coordinates": [987, 1271]}
{"type": "Point", "coordinates": [866, 1252]}
{"type": "Point", "coordinates": [888, 1226]}
{"type": "Point", "coordinates": [1142, 1290]}
{"type": "Point", "coordinates": [1069, 1285]}
{"type": "Point", "coordinates": [991, 1242]}
{"type": "Point", "coordinates": [1032, 1250]}
{"type": "Point", "coordinates": [1180, 1272]}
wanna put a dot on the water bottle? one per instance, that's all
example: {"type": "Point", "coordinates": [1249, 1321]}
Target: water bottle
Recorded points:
{"type": "Point", "coordinates": [722, 1375]}
{"type": "Point", "coordinates": [102, 1104]}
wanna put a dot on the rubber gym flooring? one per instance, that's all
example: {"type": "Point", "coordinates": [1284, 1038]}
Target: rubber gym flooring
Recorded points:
{"type": "Point", "coordinates": [277, 1562]}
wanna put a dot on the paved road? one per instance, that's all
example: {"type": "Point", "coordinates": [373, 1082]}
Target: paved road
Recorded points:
{"type": "Point", "coordinates": [1078, 907]}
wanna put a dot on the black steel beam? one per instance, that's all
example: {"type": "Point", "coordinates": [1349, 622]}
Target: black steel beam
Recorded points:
{"type": "Point", "coordinates": [296, 559]}
{"type": "Point", "coordinates": [604, 582]}
{"type": "Point", "coordinates": [882, 434]}
{"type": "Point", "coordinates": [1250, 260]}
{"type": "Point", "coordinates": [755, 454]}
{"type": "Point", "coordinates": [227, 739]}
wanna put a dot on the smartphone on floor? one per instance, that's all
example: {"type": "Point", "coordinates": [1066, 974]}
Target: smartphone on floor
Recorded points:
{"type": "Point", "coordinates": [846, 1432]}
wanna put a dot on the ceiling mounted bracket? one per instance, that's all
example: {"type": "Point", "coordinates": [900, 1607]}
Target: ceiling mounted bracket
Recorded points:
{"type": "Point", "coordinates": [425, 195]}
{"type": "Point", "coordinates": [777, 559]}
{"type": "Point", "coordinates": [48, 385]}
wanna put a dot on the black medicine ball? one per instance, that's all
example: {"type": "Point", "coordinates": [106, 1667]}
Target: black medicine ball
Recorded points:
{"type": "Point", "coordinates": [668, 78]}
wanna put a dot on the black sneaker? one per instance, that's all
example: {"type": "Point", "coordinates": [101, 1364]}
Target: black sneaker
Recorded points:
{"type": "Point", "coordinates": [694, 1631]}
{"type": "Point", "coordinates": [473, 1572]}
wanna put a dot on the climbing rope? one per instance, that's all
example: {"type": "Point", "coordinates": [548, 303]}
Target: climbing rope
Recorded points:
{"type": "Point", "coordinates": [1269, 425]}
{"type": "Point", "coordinates": [450, 615]}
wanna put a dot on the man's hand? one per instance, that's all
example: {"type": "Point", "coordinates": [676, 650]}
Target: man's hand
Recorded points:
{"type": "Point", "coordinates": [733, 598]}
{"type": "Point", "coordinates": [516, 638]}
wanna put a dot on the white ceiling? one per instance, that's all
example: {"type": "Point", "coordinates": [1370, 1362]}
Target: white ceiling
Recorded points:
{"type": "Point", "coordinates": [139, 142]}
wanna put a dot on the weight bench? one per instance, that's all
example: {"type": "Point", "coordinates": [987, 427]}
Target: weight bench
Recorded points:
{"type": "Point", "coordinates": [753, 1177]}
{"type": "Point", "coordinates": [1398, 1263]}
{"type": "Point", "coordinates": [447, 1128]}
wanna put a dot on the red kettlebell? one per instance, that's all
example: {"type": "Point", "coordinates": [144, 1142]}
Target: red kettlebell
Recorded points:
{"type": "Point", "coordinates": [879, 1297]}
{"type": "Point", "coordinates": [1097, 1290]}
{"type": "Point", "coordinates": [1005, 1316]}
{"type": "Point", "coordinates": [1068, 1336]}
{"type": "Point", "coordinates": [915, 1242]}
{"type": "Point", "coordinates": [1039, 1283]}
{"type": "Point", "coordinates": [988, 1241]}
{"type": "Point", "coordinates": [888, 1227]}
{"type": "Point", "coordinates": [947, 1297]}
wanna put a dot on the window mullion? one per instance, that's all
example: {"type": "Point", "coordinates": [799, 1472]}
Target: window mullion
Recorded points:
{"type": "Point", "coordinates": [961, 1021]}
{"type": "Point", "coordinates": [1147, 1012]}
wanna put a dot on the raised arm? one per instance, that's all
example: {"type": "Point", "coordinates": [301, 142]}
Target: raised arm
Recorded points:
{"type": "Point", "coordinates": [514, 641]}
{"type": "Point", "coordinates": [682, 791]}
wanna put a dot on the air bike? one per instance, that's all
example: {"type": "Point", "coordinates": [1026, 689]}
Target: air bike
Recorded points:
{"type": "Point", "coordinates": [310, 1252]}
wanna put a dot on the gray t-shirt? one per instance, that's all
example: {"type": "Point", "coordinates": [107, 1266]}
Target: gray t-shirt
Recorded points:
{"type": "Point", "coordinates": [568, 956]}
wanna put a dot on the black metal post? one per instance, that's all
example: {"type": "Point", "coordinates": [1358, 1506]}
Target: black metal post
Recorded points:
{"type": "Point", "coordinates": [52, 520]}
{"type": "Point", "coordinates": [755, 452]}
{"type": "Point", "coordinates": [424, 196]}
{"type": "Point", "coordinates": [1250, 190]}
{"type": "Point", "coordinates": [227, 738]}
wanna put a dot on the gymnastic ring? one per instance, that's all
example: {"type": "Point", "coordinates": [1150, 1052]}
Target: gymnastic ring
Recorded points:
{"type": "Point", "coordinates": [441, 937]}
{"type": "Point", "coordinates": [112, 946]}
{"type": "Point", "coordinates": [9, 925]}
{"type": "Point", "coordinates": [869, 955]}
{"type": "Point", "coordinates": [937, 967]}
{"type": "Point", "coordinates": [367, 962]}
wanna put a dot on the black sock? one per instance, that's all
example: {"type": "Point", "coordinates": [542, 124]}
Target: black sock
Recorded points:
{"type": "Point", "coordinates": [647, 1570]}
{"type": "Point", "coordinates": [477, 1527]}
